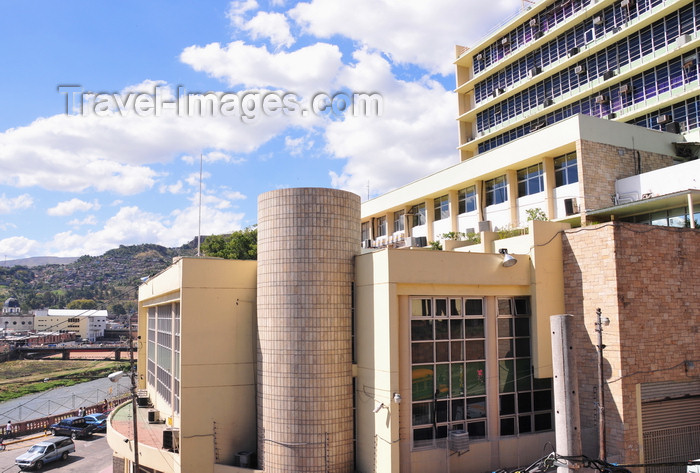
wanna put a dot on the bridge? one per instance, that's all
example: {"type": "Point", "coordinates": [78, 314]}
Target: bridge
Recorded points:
{"type": "Point", "coordinates": [65, 351]}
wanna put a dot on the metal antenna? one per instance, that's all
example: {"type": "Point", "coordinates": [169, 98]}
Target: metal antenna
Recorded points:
{"type": "Point", "coordinates": [199, 230]}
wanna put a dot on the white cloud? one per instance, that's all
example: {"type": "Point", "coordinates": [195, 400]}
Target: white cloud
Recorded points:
{"type": "Point", "coordinates": [238, 9]}
{"type": "Point", "coordinates": [421, 33]}
{"type": "Point", "coordinates": [233, 195]}
{"type": "Point", "coordinates": [18, 247]}
{"type": "Point", "coordinates": [69, 207]}
{"type": "Point", "coordinates": [89, 220]}
{"type": "Point", "coordinates": [414, 137]}
{"type": "Point", "coordinates": [212, 157]}
{"type": "Point", "coordinates": [272, 26]}
{"type": "Point", "coordinates": [10, 204]}
{"type": "Point", "coordinates": [309, 69]}
{"type": "Point", "coordinates": [176, 188]}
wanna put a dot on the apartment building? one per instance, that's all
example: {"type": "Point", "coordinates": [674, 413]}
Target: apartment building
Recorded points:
{"type": "Point", "coordinates": [376, 353]}
{"type": "Point", "coordinates": [88, 324]}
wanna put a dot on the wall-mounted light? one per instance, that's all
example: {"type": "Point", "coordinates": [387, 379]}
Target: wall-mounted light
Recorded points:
{"type": "Point", "coordinates": [508, 260]}
{"type": "Point", "coordinates": [397, 398]}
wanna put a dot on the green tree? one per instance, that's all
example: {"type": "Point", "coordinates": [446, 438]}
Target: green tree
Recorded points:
{"type": "Point", "coordinates": [84, 304]}
{"type": "Point", "coordinates": [242, 244]}
{"type": "Point", "coordinates": [117, 309]}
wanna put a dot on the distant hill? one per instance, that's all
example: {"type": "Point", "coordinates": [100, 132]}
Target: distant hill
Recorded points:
{"type": "Point", "coordinates": [38, 261]}
{"type": "Point", "coordinates": [111, 278]}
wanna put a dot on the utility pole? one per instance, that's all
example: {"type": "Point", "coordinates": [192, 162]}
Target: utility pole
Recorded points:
{"type": "Point", "coordinates": [600, 321]}
{"type": "Point", "coordinates": [134, 412]}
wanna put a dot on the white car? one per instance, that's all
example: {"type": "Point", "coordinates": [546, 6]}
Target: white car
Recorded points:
{"type": "Point", "coordinates": [44, 452]}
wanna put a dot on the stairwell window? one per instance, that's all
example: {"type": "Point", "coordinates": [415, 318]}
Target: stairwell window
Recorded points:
{"type": "Point", "coordinates": [530, 180]}
{"type": "Point", "coordinates": [442, 207]}
{"type": "Point", "coordinates": [496, 190]}
{"type": "Point", "coordinates": [467, 199]}
{"type": "Point", "coordinates": [565, 169]}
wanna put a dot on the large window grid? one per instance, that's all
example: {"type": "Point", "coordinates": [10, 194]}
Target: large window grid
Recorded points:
{"type": "Point", "coordinates": [381, 226]}
{"type": "Point", "coordinates": [525, 403]}
{"type": "Point", "coordinates": [467, 199]}
{"type": "Point", "coordinates": [448, 359]}
{"type": "Point", "coordinates": [637, 45]}
{"type": "Point", "coordinates": [151, 377]}
{"type": "Point", "coordinates": [612, 18]}
{"type": "Point", "coordinates": [496, 190]}
{"type": "Point", "coordinates": [565, 169]}
{"type": "Point", "coordinates": [531, 180]}
{"type": "Point", "coordinates": [176, 357]}
{"type": "Point", "coordinates": [418, 214]}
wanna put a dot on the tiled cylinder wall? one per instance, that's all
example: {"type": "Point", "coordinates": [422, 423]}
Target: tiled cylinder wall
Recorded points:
{"type": "Point", "coordinates": [307, 239]}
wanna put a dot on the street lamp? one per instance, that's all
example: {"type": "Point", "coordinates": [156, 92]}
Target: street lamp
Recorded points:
{"type": "Point", "coordinates": [114, 377]}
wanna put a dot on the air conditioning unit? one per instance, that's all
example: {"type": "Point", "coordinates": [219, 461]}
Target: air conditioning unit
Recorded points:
{"type": "Point", "coordinates": [580, 69]}
{"type": "Point", "coordinates": [479, 57]}
{"type": "Point", "coordinates": [673, 127]}
{"type": "Point", "coordinates": [505, 41]}
{"type": "Point", "coordinates": [421, 241]}
{"type": "Point", "coordinates": [244, 459]}
{"type": "Point", "coordinates": [459, 441]}
{"type": "Point", "coordinates": [366, 243]}
{"type": "Point", "coordinates": [626, 3]}
{"type": "Point", "coordinates": [625, 89]}
{"type": "Point", "coordinates": [485, 226]}
{"type": "Point", "coordinates": [171, 439]}
{"type": "Point", "coordinates": [597, 20]}
{"type": "Point", "coordinates": [602, 99]}
{"type": "Point", "coordinates": [571, 206]}
{"type": "Point", "coordinates": [533, 22]}
{"type": "Point", "coordinates": [534, 71]}
{"type": "Point", "coordinates": [547, 102]}
{"type": "Point", "coordinates": [608, 74]}
{"type": "Point", "coordinates": [683, 40]}
{"type": "Point", "coordinates": [573, 51]}
{"type": "Point", "coordinates": [663, 119]}
{"type": "Point", "coordinates": [153, 416]}
{"type": "Point", "coordinates": [611, 115]}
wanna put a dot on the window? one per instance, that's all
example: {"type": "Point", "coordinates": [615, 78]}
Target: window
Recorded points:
{"type": "Point", "coordinates": [418, 213]}
{"type": "Point", "coordinates": [398, 221]}
{"type": "Point", "coordinates": [565, 169]}
{"type": "Point", "coordinates": [525, 403]}
{"type": "Point", "coordinates": [496, 190]}
{"type": "Point", "coordinates": [467, 199]}
{"type": "Point", "coordinates": [448, 361]}
{"type": "Point", "coordinates": [381, 226]}
{"type": "Point", "coordinates": [530, 180]}
{"type": "Point", "coordinates": [365, 231]}
{"type": "Point", "coordinates": [442, 207]}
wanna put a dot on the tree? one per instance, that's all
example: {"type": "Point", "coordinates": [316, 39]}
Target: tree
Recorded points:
{"type": "Point", "coordinates": [84, 304]}
{"type": "Point", "coordinates": [117, 309]}
{"type": "Point", "coordinates": [242, 244]}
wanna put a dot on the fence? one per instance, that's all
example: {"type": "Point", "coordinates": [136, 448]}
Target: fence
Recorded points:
{"type": "Point", "coordinates": [677, 444]}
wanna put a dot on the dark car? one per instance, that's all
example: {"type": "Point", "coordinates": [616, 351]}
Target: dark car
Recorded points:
{"type": "Point", "coordinates": [73, 427]}
{"type": "Point", "coordinates": [98, 420]}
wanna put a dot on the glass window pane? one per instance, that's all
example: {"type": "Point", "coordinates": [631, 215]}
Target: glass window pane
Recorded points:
{"type": "Point", "coordinates": [441, 411]}
{"type": "Point", "coordinates": [421, 330]}
{"type": "Point", "coordinates": [442, 351]}
{"type": "Point", "coordinates": [474, 328]}
{"type": "Point", "coordinates": [440, 307]}
{"type": "Point", "coordinates": [506, 404]}
{"type": "Point", "coordinates": [504, 307]}
{"type": "Point", "coordinates": [455, 307]}
{"type": "Point", "coordinates": [505, 348]}
{"type": "Point", "coordinates": [524, 424]}
{"type": "Point", "coordinates": [441, 330]}
{"type": "Point", "coordinates": [505, 327]}
{"type": "Point", "coordinates": [422, 434]}
{"type": "Point", "coordinates": [422, 413]}
{"type": "Point", "coordinates": [523, 374]}
{"type": "Point", "coordinates": [422, 352]}
{"type": "Point", "coordinates": [542, 400]}
{"type": "Point", "coordinates": [442, 380]}
{"type": "Point", "coordinates": [457, 410]}
{"type": "Point", "coordinates": [522, 347]}
{"type": "Point", "coordinates": [522, 327]}
{"type": "Point", "coordinates": [474, 350]}
{"type": "Point", "coordinates": [457, 379]}
{"type": "Point", "coordinates": [422, 383]}
{"type": "Point", "coordinates": [475, 378]}
{"type": "Point", "coordinates": [476, 408]}
{"type": "Point", "coordinates": [543, 422]}
{"type": "Point", "coordinates": [420, 307]}
{"type": "Point", "coordinates": [477, 430]}
{"type": "Point", "coordinates": [456, 329]}
{"type": "Point", "coordinates": [506, 376]}
{"type": "Point", "coordinates": [524, 402]}
{"type": "Point", "coordinates": [474, 307]}
{"type": "Point", "coordinates": [522, 306]}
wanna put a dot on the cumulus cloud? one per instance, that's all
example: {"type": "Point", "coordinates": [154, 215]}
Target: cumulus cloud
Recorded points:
{"type": "Point", "coordinates": [420, 33]}
{"type": "Point", "coordinates": [11, 204]}
{"type": "Point", "coordinates": [89, 220]}
{"type": "Point", "coordinates": [18, 247]}
{"type": "Point", "coordinates": [270, 26]}
{"type": "Point", "coordinates": [69, 207]}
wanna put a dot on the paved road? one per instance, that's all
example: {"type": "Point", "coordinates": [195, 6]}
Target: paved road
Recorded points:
{"type": "Point", "coordinates": [60, 400]}
{"type": "Point", "coordinates": [92, 455]}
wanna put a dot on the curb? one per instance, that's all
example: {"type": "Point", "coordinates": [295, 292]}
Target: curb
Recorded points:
{"type": "Point", "coordinates": [23, 439]}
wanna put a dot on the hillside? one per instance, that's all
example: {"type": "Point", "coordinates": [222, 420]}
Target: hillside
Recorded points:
{"type": "Point", "coordinates": [111, 278]}
{"type": "Point", "coordinates": [37, 261]}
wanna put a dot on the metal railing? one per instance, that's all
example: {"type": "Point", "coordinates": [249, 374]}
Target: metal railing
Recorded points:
{"type": "Point", "coordinates": [677, 444]}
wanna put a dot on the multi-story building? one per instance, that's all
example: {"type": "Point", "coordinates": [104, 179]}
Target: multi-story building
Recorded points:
{"type": "Point", "coordinates": [375, 353]}
{"type": "Point", "coordinates": [88, 324]}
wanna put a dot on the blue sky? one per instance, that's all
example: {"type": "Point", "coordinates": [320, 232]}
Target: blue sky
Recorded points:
{"type": "Point", "coordinates": [120, 164]}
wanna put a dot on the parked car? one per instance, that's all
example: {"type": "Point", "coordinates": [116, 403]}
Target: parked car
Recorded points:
{"type": "Point", "coordinates": [73, 427]}
{"type": "Point", "coordinates": [98, 420]}
{"type": "Point", "coordinates": [44, 452]}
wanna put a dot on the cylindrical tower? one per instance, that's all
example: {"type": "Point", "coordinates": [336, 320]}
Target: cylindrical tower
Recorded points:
{"type": "Point", "coordinates": [307, 239]}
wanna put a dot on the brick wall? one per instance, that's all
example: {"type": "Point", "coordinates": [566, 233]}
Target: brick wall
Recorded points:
{"type": "Point", "coordinates": [600, 165]}
{"type": "Point", "coordinates": [644, 278]}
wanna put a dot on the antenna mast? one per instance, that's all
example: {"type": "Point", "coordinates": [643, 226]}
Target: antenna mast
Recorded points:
{"type": "Point", "coordinates": [199, 230]}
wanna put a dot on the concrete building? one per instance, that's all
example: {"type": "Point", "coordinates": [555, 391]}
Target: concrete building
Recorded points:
{"type": "Point", "coordinates": [582, 113]}
{"type": "Point", "coordinates": [88, 324]}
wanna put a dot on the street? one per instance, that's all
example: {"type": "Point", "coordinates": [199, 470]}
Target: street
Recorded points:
{"type": "Point", "coordinates": [91, 455]}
